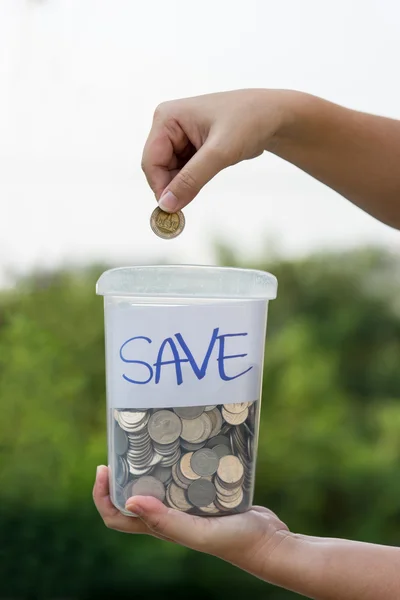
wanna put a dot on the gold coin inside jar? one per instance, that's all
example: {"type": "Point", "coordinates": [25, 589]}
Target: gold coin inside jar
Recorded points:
{"type": "Point", "coordinates": [231, 503]}
{"type": "Point", "coordinates": [167, 225]}
{"type": "Point", "coordinates": [211, 509]}
{"type": "Point", "coordinates": [239, 407]}
{"type": "Point", "coordinates": [230, 470]}
{"type": "Point", "coordinates": [186, 469]}
{"type": "Point", "coordinates": [177, 498]}
{"type": "Point", "coordinates": [235, 418]}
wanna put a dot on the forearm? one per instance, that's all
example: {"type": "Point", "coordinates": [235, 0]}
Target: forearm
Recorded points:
{"type": "Point", "coordinates": [356, 154]}
{"type": "Point", "coordinates": [334, 569]}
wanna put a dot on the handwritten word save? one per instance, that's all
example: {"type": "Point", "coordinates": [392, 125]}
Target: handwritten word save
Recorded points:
{"type": "Point", "coordinates": [173, 345]}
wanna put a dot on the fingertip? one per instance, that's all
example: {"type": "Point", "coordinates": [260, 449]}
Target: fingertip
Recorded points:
{"type": "Point", "coordinates": [168, 202]}
{"type": "Point", "coordinates": [101, 472]}
{"type": "Point", "coordinates": [101, 481]}
{"type": "Point", "coordinates": [142, 505]}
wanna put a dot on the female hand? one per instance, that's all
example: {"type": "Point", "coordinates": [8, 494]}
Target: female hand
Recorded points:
{"type": "Point", "coordinates": [356, 154]}
{"type": "Point", "coordinates": [248, 540]}
{"type": "Point", "coordinates": [191, 140]}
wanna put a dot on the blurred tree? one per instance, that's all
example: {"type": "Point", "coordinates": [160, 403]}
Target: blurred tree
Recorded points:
{"type": "Point", "coordinates": [329, 445]}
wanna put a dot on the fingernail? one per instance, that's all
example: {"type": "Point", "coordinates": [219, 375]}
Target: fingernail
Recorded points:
{"type": "Point", "coordinates": [168, 202]}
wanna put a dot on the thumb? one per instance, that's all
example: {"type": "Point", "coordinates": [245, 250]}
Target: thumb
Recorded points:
{"type": "Point", "coordinates": [172, 524]}
{"type": "Point", "coordinates": [199, 170]}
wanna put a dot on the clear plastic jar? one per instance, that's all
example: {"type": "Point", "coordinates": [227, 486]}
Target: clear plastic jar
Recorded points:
{"type": "Point", "coordinates": [184, 360]}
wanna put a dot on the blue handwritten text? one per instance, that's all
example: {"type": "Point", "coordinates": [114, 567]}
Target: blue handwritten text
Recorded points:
{"type": "Point", "coordinates": [169, 354]}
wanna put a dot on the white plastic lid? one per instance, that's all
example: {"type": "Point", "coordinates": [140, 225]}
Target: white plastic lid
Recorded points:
{"type": "Point", "coordinates": [187, 281]}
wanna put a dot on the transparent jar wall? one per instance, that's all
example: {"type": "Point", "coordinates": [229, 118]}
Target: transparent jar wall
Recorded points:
{"type": "Point", "coordinates": [203, 465]}
{"type": "Point", "coordinates": [177, 462]}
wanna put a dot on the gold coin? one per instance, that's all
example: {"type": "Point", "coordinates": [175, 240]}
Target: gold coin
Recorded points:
{"type": "Point", "coordinates": [211, 509]}
{"type": "Point", "coordinates": [177, 497]}
{"type": "Point", "coordinates": [223, 491]}
{"type": "Point", "coordinates": [177, 480]}
{"type": "Point", "coordinates": [196, 430]}
{"type": "Point", "coordinates": [235, 419]}
{"type": "Point", "coordinates": [186, 469]}
{"type": "Point", "coordinates": [236, 408]}
{"type": "Point", "coordinates": [230, 470]}
{"type": "Point", "coordinates": [230, 504]}
{"type": "Point", "coordinates": [167, 225]}
{"type": "Point", "coordinates": [232, 497]}
{"type": "Point", "coordinates": [216, 421]}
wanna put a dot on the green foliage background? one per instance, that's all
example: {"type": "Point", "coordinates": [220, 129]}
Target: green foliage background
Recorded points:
{"type": "Point", "coordinates": [329, 450]}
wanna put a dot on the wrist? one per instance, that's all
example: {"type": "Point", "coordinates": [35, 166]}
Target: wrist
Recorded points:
{"type": "Point", "coordinates": [281, 556]}
{"type": "Point", "coordinates": [294, 563]}
{"type": "Point", "coordinates": [297, 115]}
{"type": "Point", "coordinates": [273, 558]}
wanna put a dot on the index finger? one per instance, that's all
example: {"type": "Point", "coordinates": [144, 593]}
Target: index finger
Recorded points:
{"type": "Point", "coordinates": [166, 150]}
{"type": "Point", "coordinates": [158, 153]}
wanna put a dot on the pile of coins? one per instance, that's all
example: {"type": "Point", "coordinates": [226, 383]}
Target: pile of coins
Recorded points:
{"type": "Point", "coordinates": [196, 459]}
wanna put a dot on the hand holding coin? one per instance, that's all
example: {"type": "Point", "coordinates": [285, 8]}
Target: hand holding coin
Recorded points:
{"type": "Point", "coordinates": [193, 139]}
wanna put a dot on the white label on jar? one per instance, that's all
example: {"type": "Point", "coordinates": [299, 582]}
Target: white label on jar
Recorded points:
{"type": "Point", "coordinates": [187, 355]}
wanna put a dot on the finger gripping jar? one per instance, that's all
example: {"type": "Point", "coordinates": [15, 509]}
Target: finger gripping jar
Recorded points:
{"type": "Point", "coordinates": [184, 363]}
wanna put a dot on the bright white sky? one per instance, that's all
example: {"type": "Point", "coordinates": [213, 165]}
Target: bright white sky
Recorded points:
{"type": "Point", "coordinates": [79, 80]}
